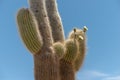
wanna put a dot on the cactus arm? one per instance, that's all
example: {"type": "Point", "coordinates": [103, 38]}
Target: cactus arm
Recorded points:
{"type": "Point", "coordinates": [81, 38]}
{"type": "Point", "coordinates": [81, 55]}
{"type": "Point", "coordinates": [39, 11]}
{"type": "Point", "coordinates": [28, 31]}
{"type": "Point", "coordinates": [66, 63]}
{"type": "Point", "coordinates": [55, 21]}
{"type": "Point", "coordinates": [82, 50]}
{"type": "Point", "coordinates": [71, 51]}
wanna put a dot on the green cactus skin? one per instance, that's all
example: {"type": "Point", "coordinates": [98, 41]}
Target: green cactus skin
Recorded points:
{"type": "Point", "coordinates": [81, 38]}
{"type": "Point", "coordinates": [55, 21]}
{"type": "Point", "coordinates": [59, 49]}
{"type": "Point", "coordinates": [28, 31]}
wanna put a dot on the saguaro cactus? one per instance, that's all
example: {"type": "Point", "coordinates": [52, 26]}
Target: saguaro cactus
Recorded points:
{"type": "Point", "coordinates": [41, 30]}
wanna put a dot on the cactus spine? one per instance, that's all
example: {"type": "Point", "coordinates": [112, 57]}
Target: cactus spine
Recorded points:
{"type": "Point", "coordinates": [41, 30]}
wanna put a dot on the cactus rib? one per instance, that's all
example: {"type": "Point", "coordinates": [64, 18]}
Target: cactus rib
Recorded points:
{"type": "Point", "coordinates": [28, 31]}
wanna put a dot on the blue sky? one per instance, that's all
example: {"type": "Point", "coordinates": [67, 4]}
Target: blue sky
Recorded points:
{"type": "Point", "coordinates": [102, 17]}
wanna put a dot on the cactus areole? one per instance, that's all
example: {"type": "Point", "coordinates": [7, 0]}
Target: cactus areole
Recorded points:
{"type": "Point", "coordinates": [41, 30]}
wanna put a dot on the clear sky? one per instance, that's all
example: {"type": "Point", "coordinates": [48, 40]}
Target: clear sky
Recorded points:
{"type": "Point", "coordinates": [102, 17]}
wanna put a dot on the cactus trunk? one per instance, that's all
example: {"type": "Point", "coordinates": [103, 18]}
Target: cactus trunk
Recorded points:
{"type": "Point", "coordinates": [46, 67]}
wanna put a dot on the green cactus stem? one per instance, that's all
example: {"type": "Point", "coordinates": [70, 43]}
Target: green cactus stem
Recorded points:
{"type": "Point", "coordinates": [28, 31]}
